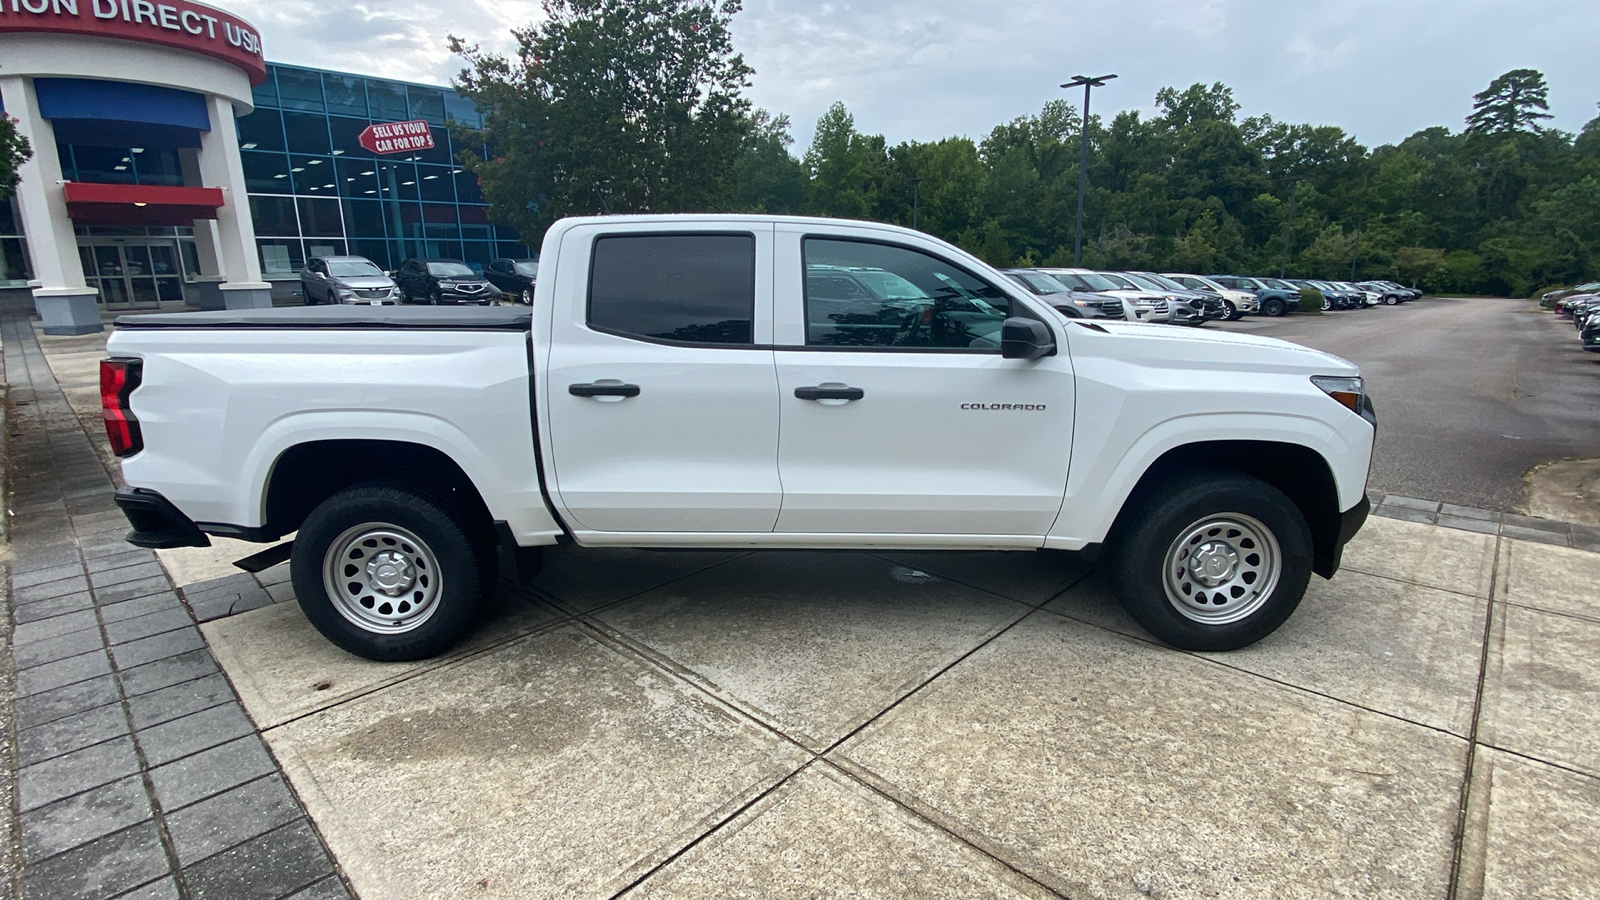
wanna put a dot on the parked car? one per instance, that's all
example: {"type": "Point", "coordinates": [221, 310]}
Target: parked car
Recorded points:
{"type": "Point", "coordinates": [1274, 301]}
{"type": "Point", "coordinates": [1392, 294]}
{"type": "Point", "coordinates": [1188, 307]}
{"type": "Point", "coordinates": [515, 277]}
{"type": "Point", "coordinates": [437, 281]}
{"type": "Point", "coordinates": [1548, 299]}
{"type": "Point", "coordinates": [1591, 334]}
{"type": "Point", "coordinates": [1238, 303]}
{"type": "Point", "coordinates": [1568, 304]}
{"type": "Point", "coordinates": [640, 403]}
{"type": "Point", "coordinates": [1138, 305]}
{"type": "Point", "coordinates": [346, 279]}
{"type": "Point", "coordinates": [1073, 304]}
{"type": "Point", "coordinates": [1209, 304]}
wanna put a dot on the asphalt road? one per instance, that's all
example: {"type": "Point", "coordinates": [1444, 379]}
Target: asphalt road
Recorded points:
{"type": "Point", "coordinates": [1470, 394]}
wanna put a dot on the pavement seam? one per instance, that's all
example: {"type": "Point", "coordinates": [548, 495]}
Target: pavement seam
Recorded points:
{"type": "Point", "coordinates": [1464, 805]}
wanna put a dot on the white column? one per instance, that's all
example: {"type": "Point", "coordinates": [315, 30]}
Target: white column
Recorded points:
{"type": "Point", "coordinates": [40, 198]}
{"type": "Point", "coordinates": [221, 167]}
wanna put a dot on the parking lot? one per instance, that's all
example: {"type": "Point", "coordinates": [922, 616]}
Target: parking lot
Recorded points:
{"type": "Point", "coordinates": [700, 724]}
{"type": "Point", "coordinates": [1471, 393]}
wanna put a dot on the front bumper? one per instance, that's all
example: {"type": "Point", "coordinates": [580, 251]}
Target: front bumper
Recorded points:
{"type": "Point", "coordinates": [157, 524]}
{"type": "Point", "coordinates": [1328, 556]}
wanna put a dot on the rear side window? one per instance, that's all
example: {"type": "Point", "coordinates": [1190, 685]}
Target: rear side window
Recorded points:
{"type": "Point", "coordinates": [683, 288]}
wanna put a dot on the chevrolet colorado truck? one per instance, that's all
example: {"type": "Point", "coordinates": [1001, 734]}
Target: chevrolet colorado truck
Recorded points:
{"type": "Point", "coordinates": [702, 381]}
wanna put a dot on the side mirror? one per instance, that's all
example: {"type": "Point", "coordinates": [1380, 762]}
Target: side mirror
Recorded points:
{"type": "Point", "coordinates": [1022, 338]}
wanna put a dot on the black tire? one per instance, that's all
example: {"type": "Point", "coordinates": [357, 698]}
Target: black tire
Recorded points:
{"type": "Point", "coordinates": [433, 297]}
{"type": "Point", "coordinates": [1233, 312]}
{"type": "Point", "coordinates": [1391, 300]}
{"type": "Point", "coordinates": [1248, 522]}
{"type": "Point", "coordinates": [447, 591]}
{"type": "Point", "coordinates": [1274, 307]}
{"type": "Point", "coordinates": [527, 296]}
{"type": "Point", "coordinates": [1326, 304]}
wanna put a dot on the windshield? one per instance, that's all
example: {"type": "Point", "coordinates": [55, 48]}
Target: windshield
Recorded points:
{"type": "Point", "coordinates": [889, 286]}
{"type": "Point", "coordinates": [1167, 283]}
{"type": "Point", "coordinates": [353, 268]}
{"type": "Point", "coordinates": [1040, 282]}
{"type": "Point", "coordinates": [450, 270]}
{"type": "Point", "coordinates": [1206, 284]}
{"type": "Point", "coordinates": [530, 269]}
{"type": "Point", "coordinates": [1118, 282]}
{"type": "Point", "coordinates": [1144, 281]}
{"type": "Point", "coordinates": [1277, 283]}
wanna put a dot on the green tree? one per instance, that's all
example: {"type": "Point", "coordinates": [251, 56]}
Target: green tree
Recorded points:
{"type": "Point", "coordinates": [848, 169]}
{"type": "Point", "coordinates": [1514, 102]}
{"type": "Point", "coordinates": [769, 178]}
{"type": "Point", "coordinates": [14, 151]}
{"type": "Point", "coordinates": [1415, 264]}
{"type": "Point", "coordinates": [609, 105]}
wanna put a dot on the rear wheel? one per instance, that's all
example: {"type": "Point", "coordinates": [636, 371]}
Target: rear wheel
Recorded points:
{"type": "Point", "coordinates": [527, 296]}
{"type": "Point", "coordinates": [1216, 560]}
{"type": "Point", "coordinates": [388, 573]}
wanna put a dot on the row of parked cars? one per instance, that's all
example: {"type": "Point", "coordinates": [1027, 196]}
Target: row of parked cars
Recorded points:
{"type": "Point", "coordinates": [1581, 304]}
{"type": "Point", "coordinates": [1177, 298]}
{"type": "Point", "coordinates": [358, 280]}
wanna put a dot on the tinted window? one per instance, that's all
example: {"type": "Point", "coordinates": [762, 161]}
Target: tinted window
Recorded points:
{"type": "Point", "coordinates": [875, 295]}
{"type": "Point", "coordinates": [450, 270]}
{"type": "Point", "coordinates": [695, 288]}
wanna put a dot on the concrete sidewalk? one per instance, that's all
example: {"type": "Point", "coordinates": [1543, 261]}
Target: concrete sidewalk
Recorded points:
{"type": "Point", "coordinates": [794, 724]}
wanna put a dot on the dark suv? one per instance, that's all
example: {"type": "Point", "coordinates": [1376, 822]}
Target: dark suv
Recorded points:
{"type": "Point", "coordinates": [516, 277]}
{"type": "Point", "coordinates": [438, 281]}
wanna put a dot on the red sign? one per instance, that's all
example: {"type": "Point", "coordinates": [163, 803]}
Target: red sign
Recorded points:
{"type": "Point", "coordinates": [183, 24]}
{"type": "Point", "coordinates": [398, 137]}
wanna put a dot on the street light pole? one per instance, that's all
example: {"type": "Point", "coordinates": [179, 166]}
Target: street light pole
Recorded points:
{"type": "Point", "coordinates": [1083, 156]}
{"type": "Point", "coordinates": [1283, 268]}
{"type": "Point", "coordinates": [915, 180]}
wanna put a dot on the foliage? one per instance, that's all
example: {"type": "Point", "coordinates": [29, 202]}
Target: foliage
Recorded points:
{"type": "Point", "coordinates": [616, 106]}
{"type": "Point", "coordinates": [1310, 303]}
{"type": "Point", "coordinates": [611, 106]}
{"type": "Point", "coordinates": [14, 151]}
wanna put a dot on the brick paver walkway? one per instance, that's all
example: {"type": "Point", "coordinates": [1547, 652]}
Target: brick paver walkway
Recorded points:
{"type": "Point", "coordinates": [138, 773]}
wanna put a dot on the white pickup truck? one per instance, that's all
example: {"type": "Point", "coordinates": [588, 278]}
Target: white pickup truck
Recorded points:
{"type": "Point", "coordinates": [737, 382]}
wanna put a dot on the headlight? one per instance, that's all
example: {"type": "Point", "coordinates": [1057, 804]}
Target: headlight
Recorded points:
{"type": "Point", "coordinates": [1349, 392]}
{"type": "Point", "coordinates": [345, 294]}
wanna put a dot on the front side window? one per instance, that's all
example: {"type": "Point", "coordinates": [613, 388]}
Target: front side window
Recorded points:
{"type": "Point", "coordinates": [861, 294]}
{"type": "Point", "coordinates": [682, 288]}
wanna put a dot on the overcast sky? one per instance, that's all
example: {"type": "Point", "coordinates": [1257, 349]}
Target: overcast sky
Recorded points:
{"type": "Point", "coordinates": [927, 69]}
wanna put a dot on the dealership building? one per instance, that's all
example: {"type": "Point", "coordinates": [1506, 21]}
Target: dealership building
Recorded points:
{"type": "Point", "coordinates": [173, 165]}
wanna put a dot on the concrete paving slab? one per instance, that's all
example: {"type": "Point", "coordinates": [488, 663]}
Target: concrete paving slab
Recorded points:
{"type": "Point", "coordinates": [192, 565]}
{"type": "Point", "coordinates": [586, 579]}
{"type": "Point", "coordinates": [823, 834]}
{"type": "Point", "coordinates": [1390, 646]}
{"type": "Point", "coordinates": [814, 644]}
{"type": "Point", "coordinates": [1541, 691]}
{"type": "Point", "coordinates": [1106, 767]}
{"type": "Point", "coordinates": [554, 766]}
{"type": "Point", "coordinates": [1442, 558]}
{"type": "Point", "coordinates": [1533, 832]}
{"type": "Point", "coordinates": [283, 668]}
{"type": "Point", "coordinates": [1556, 579]}
{"type": "Point", "coordinates": [1031, 577]}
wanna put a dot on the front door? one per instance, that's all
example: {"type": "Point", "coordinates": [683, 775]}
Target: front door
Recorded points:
{"type": "Point", "coordinates": [660, 393]}
{"type": "Point", "coordinates": [899, 416]}
{"type": "Point", "coordinates": [133, 273]}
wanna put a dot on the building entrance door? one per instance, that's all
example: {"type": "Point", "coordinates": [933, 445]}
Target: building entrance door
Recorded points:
{"type": "Point", "coordinates": [133, 273]}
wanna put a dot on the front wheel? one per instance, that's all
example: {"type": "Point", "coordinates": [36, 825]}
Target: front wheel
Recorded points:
{"type": "Point", "coordinates": [1214, 561]}
{"type": "Point", "coordinates": [527, 296]}
{"type": "Point", "coordinates": [1233, 311]}
{"type": "Point", "coordinates": [1273, 307]}
{"type": "Point", "coordinates": [387, 573]}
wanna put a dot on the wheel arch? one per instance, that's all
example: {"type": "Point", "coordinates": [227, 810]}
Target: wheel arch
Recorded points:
{"type": "Point", "coordinates": [1300, 472]}
{"type": "Point", "coordinates": [306, 474]}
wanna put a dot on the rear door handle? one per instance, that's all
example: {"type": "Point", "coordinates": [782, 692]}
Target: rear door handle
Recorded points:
{"type": "Point", "coordinates": [603, 390]}
{"type": "Point", "coordinates": [829, 393]}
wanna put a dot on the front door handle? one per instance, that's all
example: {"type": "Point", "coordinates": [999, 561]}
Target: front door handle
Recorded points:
{"type": "Point", "coordinates": [829, 393]}
{"type": "Point", "coordinates": [603, 390]}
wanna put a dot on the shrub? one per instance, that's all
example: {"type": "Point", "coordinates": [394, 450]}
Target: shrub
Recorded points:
{"type": "Point", "coordinates": [1310, 303]}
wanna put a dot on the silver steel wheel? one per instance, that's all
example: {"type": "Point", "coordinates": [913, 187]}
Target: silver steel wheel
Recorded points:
{"type": "Point", "coordinates": [527, 296]}
{"type": "Point", "coordinates": [382, 578]}
{"type": "Point", "coordinates": [1222, 568]}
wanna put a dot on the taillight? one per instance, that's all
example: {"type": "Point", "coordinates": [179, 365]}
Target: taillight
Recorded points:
{"type": "Point", "coordinates": [118, 380]}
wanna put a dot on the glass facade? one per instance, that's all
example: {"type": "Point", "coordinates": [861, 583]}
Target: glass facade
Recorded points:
{"type": "Point", "coordinates": [15, 269]}
{"type": "Point", "coordinates": [314, 191]}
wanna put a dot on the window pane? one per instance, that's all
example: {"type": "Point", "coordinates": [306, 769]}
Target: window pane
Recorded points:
{"type": "Point", "coordinates": [436, 184]}
{"type": "Point", "coordinates": [274, 216]}
{"type": "Point", "coordinates": [364, 218]}
{"type": "Point", "coordinates": [388, 101]}
{"type": "Point", "coordinates": [280, 258]}
{"type": "Point", "coordinates": [427, 104]}
{"type": "Point", "coordinates": [462, 110]}
{"type": "Point", "coordinates": [262, 130]}
{"type": "Point", "coordinates": [693, 288]}
{"type": "Point", "coordinates": [861, 294]}
{"type": "Point", "coordinates": [307, 133]}
{"type": "Point", "coordinates": [320, 218]}
{"type": "Point", "coordinates": [266, 93]}
{"type": "Point", "coordinates": [266, 173]}
{"type": "Point", "coordinates": [357, 177]}
{"type": "Point", "coordinates": [104, 165]}
{"type": "Point", "coordinates": [346, 94]}
{"type": "Point", "coordinates": [313, 175]}
{"type": "Point", "coordinates": [299, 89]}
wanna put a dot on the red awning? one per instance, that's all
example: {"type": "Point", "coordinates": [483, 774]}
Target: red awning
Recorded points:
{"type": "Point", "coordinates": [140, 204]}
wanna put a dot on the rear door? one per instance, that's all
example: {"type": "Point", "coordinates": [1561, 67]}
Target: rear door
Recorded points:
{"type": "Point", "coordinates": [661, 393]}
{"type": "Point", "coordinates": [899, 416]}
